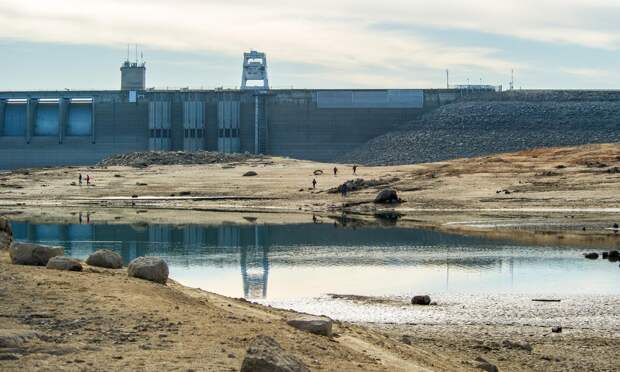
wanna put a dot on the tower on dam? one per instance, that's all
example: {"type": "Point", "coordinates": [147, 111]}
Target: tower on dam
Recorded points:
{"type": "Point", "coordinates": [133, 75]}
{"type": "Point", "coordinates": [254, 70]}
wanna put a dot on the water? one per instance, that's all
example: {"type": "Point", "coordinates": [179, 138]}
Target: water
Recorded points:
{"type": "Point", "coordinates": [297, 265]}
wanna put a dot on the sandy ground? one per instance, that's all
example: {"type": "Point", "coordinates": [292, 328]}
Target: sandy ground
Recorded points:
{"type": "Point", "coordinates": [102, 320]}
{"type": "Point", "coordinates": [559, 195]}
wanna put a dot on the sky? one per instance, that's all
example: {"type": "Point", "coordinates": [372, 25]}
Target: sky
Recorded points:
{"type": "Point", "coordinates": [80, 44]}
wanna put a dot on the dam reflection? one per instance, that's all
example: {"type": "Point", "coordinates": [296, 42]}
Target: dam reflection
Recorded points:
{"type": "Point", "coordinates": [257, 249]}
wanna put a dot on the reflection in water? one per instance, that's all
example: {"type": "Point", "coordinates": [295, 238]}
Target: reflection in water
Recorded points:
{"type": "Point", "coordinates": [312, 259]}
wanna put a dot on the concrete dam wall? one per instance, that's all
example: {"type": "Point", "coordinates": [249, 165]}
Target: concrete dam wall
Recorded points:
{"type": "Point", "coordinates": [52, 128]}
{"type": "Point", "coordinates": [49, 128]}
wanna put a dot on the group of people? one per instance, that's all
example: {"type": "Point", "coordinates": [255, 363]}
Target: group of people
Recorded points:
{"type": "Point", "coordinates": [343, 188]}
{"type": "Point", "coordinates": [88, 179]}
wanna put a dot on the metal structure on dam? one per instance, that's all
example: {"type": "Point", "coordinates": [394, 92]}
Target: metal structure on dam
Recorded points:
{"type": "Point", "coordinates": [51, 128]}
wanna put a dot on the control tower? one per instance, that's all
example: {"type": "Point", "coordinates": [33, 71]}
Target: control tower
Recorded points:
{"type": "Point", "coordinates": [133, 75]}
{"type": "Point", "coordinates": [254, 69]}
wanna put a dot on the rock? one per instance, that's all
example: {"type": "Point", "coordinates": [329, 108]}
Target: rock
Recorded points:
{"type": "Point", "coordinates": [387, 196]}
{"type": "Point", "coordinates": [614, 254]}
{"type": "Point", "coordinates": [33, 254]}
{"type": "Point", "coordinates": [605, 255]}
{"type": "Point", "coordinates": [591, 256]}
{"type": "Point", "coordinates": [407, 340]}
{"type": "Point", "coordinates": [13, 338]}
{"type": "Point", "coordinates": [8, 356]}
{"type": "Point", "coordinates": [484, 365]}
{"type": "Point", "coordinates": [265, 355]}
{"type": "Point", "coordinates": [556, 329]}
{"type": "Point", "coordinates": [421, 300]}
{"type": "Point", "coordinates": [105, 258]}
{"type": "Point", "coordinates": [153, 269]}
{"type": "Point", "coordinates": [314, 324]}
{"type": "Point", "coordinates": [64, 263]}
{"type": "Point", "coordinates": [144, 159]}
{"type": "Point", "coordinates": [518, 345]}
{"type": "Point", "coordinates": [6, 233]}
{"type": "Point", "coordinates": [250, 174]}
{"type": "Point", "coordinates": [318, 172]}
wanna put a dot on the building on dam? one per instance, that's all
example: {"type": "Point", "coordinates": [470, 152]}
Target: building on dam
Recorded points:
{"type": "Point", "coordinates": [51, 128]}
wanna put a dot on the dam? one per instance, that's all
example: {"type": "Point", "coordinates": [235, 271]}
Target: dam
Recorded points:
{"type": "Point", "coordinates": [72, 127]}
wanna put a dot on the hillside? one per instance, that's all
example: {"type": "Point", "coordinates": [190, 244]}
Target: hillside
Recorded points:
{"type": "Point", "coordinates": [468, 129]}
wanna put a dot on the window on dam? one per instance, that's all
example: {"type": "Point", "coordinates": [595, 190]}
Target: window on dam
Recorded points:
{"type": "Point", "coordinates": [46, 123]}
{"type": "Point", "coordinates": [79, 121]}
{"type": "Point", "coordinates": [15, 120]}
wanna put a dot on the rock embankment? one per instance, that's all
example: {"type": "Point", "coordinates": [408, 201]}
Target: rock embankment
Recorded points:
{"type": "Point", "coordinates": [469, 129]}
{"type": "Point", "coordinates": [147, 158]}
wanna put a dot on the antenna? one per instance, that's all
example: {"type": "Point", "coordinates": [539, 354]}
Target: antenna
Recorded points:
{"type": "Point", "coordinates": [512, 79]}
{"type": "Point", "coordinates": [447, 79]}
{"type": "Point", "coordinates": [127, 53]}
{"type": "Point", "coordinates": [136, 54]}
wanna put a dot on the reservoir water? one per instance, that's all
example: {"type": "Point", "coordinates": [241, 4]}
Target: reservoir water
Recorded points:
{"type": "Point", "coordinates": [298, 265]}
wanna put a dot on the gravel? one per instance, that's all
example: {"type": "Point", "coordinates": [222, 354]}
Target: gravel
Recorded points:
{"type": "Point", "coordinates": [467, 129]}
{"type": "Point", "coordinates": [146, 158]}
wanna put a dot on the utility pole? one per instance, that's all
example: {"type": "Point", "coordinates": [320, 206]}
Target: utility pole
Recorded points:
{"type": "Point", "coordinates": [512, 79]}
{"type": "Point", "coordinates": [447, 79]}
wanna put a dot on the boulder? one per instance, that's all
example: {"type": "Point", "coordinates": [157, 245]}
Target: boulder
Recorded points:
{"type": "Point", "coordinates": [250, 174]}
{"type": "Point", "coordinates": [105, 258]}
{"type": "Point", "coordinates": [14, 338]}
{"type": "Point", "coordinates": [484, 365]}
{"type": "Point", "coordinates": [387, 196]}
{"type": "Point", "coordinates": [591, 255]}
{"type": "Point", "coordinates": [314, 324]}
{"type": "Point", "coordinates": [64, 263]}
{"type": "Point", "coordinates": [265, 355]}
{"type": "Point", "coordinates": [518, 345]}
{"type": "Point", "coordinates": [6, 233]}
{"type": "Point", "coordinates": [421, 300]}
{"type": "Point", "coordinates": [614, 255]}
{"type": "Point", "coordinates": [153, 269]}
{"type": "Point", "coordinates": [33, 254]}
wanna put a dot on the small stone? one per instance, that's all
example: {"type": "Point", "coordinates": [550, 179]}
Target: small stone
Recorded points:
{"type": "Point", "coordinates": [519, 345]}
{"type": "Point", "coordinates": [407, 340]}
{"type": "Point", "coordinates": [556, 329]}
{"type": "Point", "coordinates": [591, 256]}
{"type": "Point", "coordinates": [250, 174]}
{"type": "Point", "coordinates": [64, 263]}
{"type": "Point", "coordinates": [421, 300]}
{"type": "Point", "coordinates": [313, 324]}
{"type": "Point", "coordinates": [485, 365]}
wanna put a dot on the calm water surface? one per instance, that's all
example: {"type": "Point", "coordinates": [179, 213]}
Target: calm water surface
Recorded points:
{"type": "Point", "coordinates": [281, 262]}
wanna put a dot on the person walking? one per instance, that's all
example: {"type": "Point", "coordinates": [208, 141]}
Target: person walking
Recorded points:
{"type": "Point", "coordinates": [354, 169]}
{"type": "Point", "coordinates": [314, 183]}
{"type": "Point", "coordinates": [80, 179]}
{"type": "Point", "coordinates": [87, 180]}
{"type": "Point", "coordinates": [335, 171]}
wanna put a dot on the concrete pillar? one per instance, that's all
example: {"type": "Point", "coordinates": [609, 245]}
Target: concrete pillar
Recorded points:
{"type": "Point", "coordinates": [31, 117]}
{"type": "Point", "coordinates": [63, 117]}
{"type": "Point", "coordinates": [92, 122]}
{"type": "Point", "coordinates": [2, 115]}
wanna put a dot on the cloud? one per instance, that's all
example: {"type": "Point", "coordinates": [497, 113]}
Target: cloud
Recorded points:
{"type": "Point", "coordinates": [590, 73]}
{"type": "Point", "coordinates": [337, 35]}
